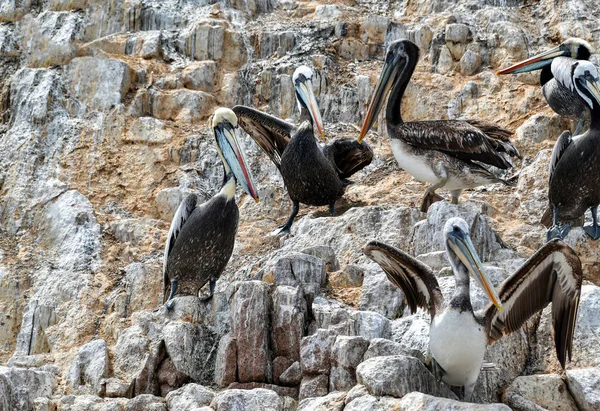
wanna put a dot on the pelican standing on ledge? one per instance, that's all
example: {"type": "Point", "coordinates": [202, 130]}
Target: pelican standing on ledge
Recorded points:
{"type": "Point", "coordinates": [312, 174]}
{"type": "Point", "coordinates": [555, 65]}
{"type": "Point", "coordinates": [574, 174]}
{"type": "Point", "coordinates": [459, 337]}
{"type": "Point", "coordinates": [201, 238]}
{"type": "Point", "coordinates": [441, 153]}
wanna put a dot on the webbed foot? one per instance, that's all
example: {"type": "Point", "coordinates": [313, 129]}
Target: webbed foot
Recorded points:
{"type": "Point", "coordinates": [593, 231]}
{"type": "Point", "coordinates": [211, 285]}
{"type": "Point", "coordinates": [428, 200]}
{"type": "Point", "coordinates": [558, 231]}
{"type": "Point", "coordinates": [169, 304]}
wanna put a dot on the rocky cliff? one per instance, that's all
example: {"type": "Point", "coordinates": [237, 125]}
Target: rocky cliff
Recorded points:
{"type": "Point", "coordinates": [103, 130]}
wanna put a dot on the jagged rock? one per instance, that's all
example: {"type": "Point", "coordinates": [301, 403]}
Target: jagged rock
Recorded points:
{"type": "Point", "coordinates": [371, 403]}
{"type": "Point", "coordinates": [325, 253]}
{"type": "Point", "coordinates": [420, 402]}
{"type": "Point", "coordinates": [328, 11]}
{"type": "Point", "coordinates": [456, 38]}
{"type": "Point", "coordinates": [91, 403]}
{"type": "Point", "coordinates": [412, 331]}
{"type": "Point", "coordinates": [532, 188]}
{"type": "Point", "coordinates": [249, 309]}
{"type": "Point", "coordinates": [189, 397]}
{"type": "Point", "coordinates": [291, 392]}
{"type": "Point", "coordinates": [200, 76]}
{"type": "Point", "coordinates": [351, 276]}
{"type": "Point", "coordinates": [314, 386]}
{"type": "Point", "coordinates": [445, 63]}
{"type": "Point", "coordinates": [143, 287]}
{"type": "Point", "coordinates": [289, 313]}
{"type": "Point", "coordinates": [470, 63]}
{"type": "Point", "coordinates": [397, 376]}
{"type": "Point", "coordinates": [115, 388]}
{"type": "Point", "coordinates": [292, 375]}
{"type": "Point", "coordinates": [289, 404]}
{"type": "Point", "coordinates": [538, 392]}
{"type": "Point", "coordinates": [19, 387]}
{"type": "Point", "coordinates": [436, 260]}
{"type": "Point", "coordinates": [185, 106]}
{"type": "Point", "coordinates": [379, 294]}
{"type": "Point", "coordinates": [98, 83]}
{"type": "Point", "coordinates": [329, 314]}
{"type": "Point", "coordinates": [315, 352]}
{"type": "Point", "coordinates": [331, 402]}
{"type": "Point", "coordinates": [148, 130]}
{"type": "Point", "coordinates": [369, 324]}
{"type": "Point", "coordinates": [213, 40]}
{"type": "Point", "coordinates": [258, 399]}
{"type": "Point", "coordinates": [226, 362]}
{"type": "Point", "coordinates": [301, 270]}
{"type": "Point", "coordinates": [381, 347]}
{"type": "Point", "coordinates": [356, 392]}
{"type": "Point", "coordinates": [280, 365]}
{"type": "Point", "coordinates": [540, 127]}
{"type": "Point", "coordinates": [89, 367]}
{"type": "Point", "coordinates": [146, 402]}
{"type": "Point", "coordinates": [346, 354]}
{"type": "Point", "coordinates": [584, 385]}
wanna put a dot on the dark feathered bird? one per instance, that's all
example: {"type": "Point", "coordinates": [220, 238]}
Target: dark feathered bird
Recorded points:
{"type": "Point", "coordinates": [201, 237]}
{"type": "Point", "coordinates": [444, 153]}
{"type": "Point", "coordinates": [458, 336]}
{"type": "Point", "coordinates": [313, 174]}
{"type": "Point", "coordinates": [561, 99]}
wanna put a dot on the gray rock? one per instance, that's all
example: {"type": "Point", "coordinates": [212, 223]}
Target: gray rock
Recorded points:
{"type": "Point", "coordinates": [327, 11]}
{"type": "Point", "coordinates": [325, 253]}
{"type": "Point", "coordinates": [313, 386]}
{"type": "Point", "coordinates": [470, 63]}
{"type": "Point", "coordinates": [288, 321]}
{"type": "Point", "coordinates": [457, 33]}
{"type": "Point", "coordinates": [200, 76]}
{"type": "Point", "coordinates": [369, 325]}
{"type": "Point", "coordinates": [146, 402]}
{"type": "Point", "coordinates": [379, 294]}
{"type": "Point", "coordinates": [397, 376]}
{"type": "Point", "coordinates": [435, 260]}
{"type": "Point", "coordinates": [371, 403]}
{"type": "Point", "coordinates": [115, 388]}
{"type": "Point", "coordinates": [19, 387]}
{"type": "Point", "coordinates": [292, 376]}
{"type": "Point", "coordinates": [148, 130]}
{"type": "Point", "coordinates": [315, 352]}
{"type": "Point", "coordinates": [301, 270]}
{"type": "Point", "coordinates": [91, 402]}
{"type": "Point", "coordinates": [332, 315]}
{"type": "Point", "coordinates": [381, 347]}
{"type": "Point", "coordinates": [249, 310]}
{"type": "Point", "coordinates": [540, 127]}
{"type": "Point", "coordinates": [331, 402]}
{"type": "Point", "coordinates": [584, 385]}
{"type": "Point", "coordinates": [89, 367]}
{"type": "Point", "coordinates": [346, 354]}
{"type": "Point", "coordinates": [258, 399]}
{"type": "Point", "coordinates": [420, 401]}
{"type": "Point", "coordinates": [538, 392]}
{"type": "Point", "coordinates": [356, 392]}
{"type": "Point", "coordinates": [226, 362]}
{"type": "Point", "coordinates": [189, 397]}
{"type": "Point", "coordinates": [413, 331]}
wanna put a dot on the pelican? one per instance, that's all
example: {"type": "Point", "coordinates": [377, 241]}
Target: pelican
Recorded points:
{"type": "Point", "coordinates": [574, 174]}
{"type": "Point", "coordinates": [201, 237]}
{"type": "Point", "coordinates": [313, 174]}
{"type": "Point", "coordinates": [441, 153]}
{"type": "Point", "coordinates": [458, 336]}
{"type": "Point", "coordinates": [555, 64]}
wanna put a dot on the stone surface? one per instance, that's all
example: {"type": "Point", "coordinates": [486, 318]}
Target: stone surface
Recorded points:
{"type": "Point", "coordinates": [420, 401]}
{"type": "Point", "coordinates": [397, 376]}
{"type": "Point", "coordinates": [314, 386]}
{"type": "Point", "coordinates": [330, 402]}
{"type": "Point", "coordinates": [584, 385]}
{"type": "Point", "coordinates": [346, 354]}
{"type": "Point", "coordinates": [288, 321]}
{"type": "Point", "coordinates": [258, 399]}
{"type": "Point", "coordinates": [20, 387]}
{"type": "Point", "coordinates": [380, 295]}
{"type": "Point", "coordinates": [226, 363]}
{"type": "Point", "coordinates": [146, 402]}
{"type": "Point", "coordinates": [315, 352]}
{"type": "Point", "coordinates": [189, 397]}
{"type": "Point", "coordinates": [292, 375]}
{"type": "Point", "coordinates": [547, 391]}
{"type": "Point", "coordinates": [89, 367]}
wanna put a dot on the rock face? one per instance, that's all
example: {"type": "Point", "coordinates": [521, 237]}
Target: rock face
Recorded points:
{"type": "Point", "coordinates": [105, 128]}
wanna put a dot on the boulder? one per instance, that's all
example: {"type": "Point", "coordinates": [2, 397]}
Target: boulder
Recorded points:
{"type": "Point", "coordinates": [331, 402]}
{"type": "Point", "coordinates": [292, 376]}
{"type": "Point", "coordinates": [189, 397]}
{"type": "Point", "coordinates": [416, 401]}
{"type": "Point", "coordinates": [89, 367]}
{"type": "Point", "coordinates": [20, 387]}
{"type": "Point", "coordinates": [259, 399]}
{"type": "Point", "coordinates": [538, 392]}
{"type": "Point", "coordinates": [200, 76]}
{"type": "Point", "coordinates": [315, 352]}
{"type": "Point", "coordinates": [226, 362]}
{"type": "Point", "coordinates": [313, 386]}
{"type": "Point", "coordinates": [346, 354]}
{"type": "Point", "coordinates": [379, 294]}
{"type": "Point", "coordinates": [146, 402]}
{"type": "Point", "coordinates": [584, 385]}
{"type": "Point", "coordinates": [288, 321]}
{"type": "Point", "coordinates": [301, 270]}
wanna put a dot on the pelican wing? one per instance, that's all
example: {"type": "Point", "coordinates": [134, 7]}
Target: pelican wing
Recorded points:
{"type": "Point", "coordinates": [348, 155]}
{"type": "Point", "coordinates": [186, 208]}
{"type": "Point", "coordinates": [407, 273]}
{"type": "Point", "coordinates": [552, 275]}
{"type": "Point", "coordinates": [269, 132]}
{"type": "Point", "coordinates": [464, 139]}
{"type": "Point", "coordinates": [560, 147]}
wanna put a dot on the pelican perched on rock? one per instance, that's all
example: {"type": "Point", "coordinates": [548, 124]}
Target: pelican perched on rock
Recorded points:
{"type": "Point", "coordinates": [313, 174]}
{"type": "Point", "coordinates": [574, 174]}
{"type": "Point", "coordinates": [201, 237]}
{"type": "Point", "coordinates": [555, 64]}
{"type": "Point", "coordinates": [459, 337]}
{"type": "Point", "coordinates": [443, 153]}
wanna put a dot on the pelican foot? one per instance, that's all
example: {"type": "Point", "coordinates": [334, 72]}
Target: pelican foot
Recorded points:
{"type": "Point", "coordinates": [558, 231]}
{"type": "Point", "coordinates": [428, 200]}
{"type": "Point", "coordinates": [169, 304]}
{"type": "Point", "coordinates": [593, 231]}
{"type": "Point", "coordinates": [207, 298]}
{"type": "Point", "coordinates": [346, 182]}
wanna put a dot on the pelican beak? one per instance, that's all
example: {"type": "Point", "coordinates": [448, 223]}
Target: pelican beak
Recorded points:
{"type": "Point", "coordinates": [460, 242]}
{"type": "Point", "coordinates": [388, 75]}
{"type": "Point", "coordinates": [589, 84]}
{"type": "Point", "coordinates": [304, 90]}
{"type": "Point", "coordinates": [234, 157]}
{"type": "Point", "coordinates": [538, 61]}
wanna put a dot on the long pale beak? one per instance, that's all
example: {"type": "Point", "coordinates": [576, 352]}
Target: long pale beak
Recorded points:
{"type": "Point", "coordinates": [536, 62]}
{"type": "Point", "coordinates": [305, 92]}
{"type": "Point", "coordinates": [384, 84]}
{"type": "Point", "coordinates": [460, 242]}
{"type": "Point", "coordinates": [235, 158]}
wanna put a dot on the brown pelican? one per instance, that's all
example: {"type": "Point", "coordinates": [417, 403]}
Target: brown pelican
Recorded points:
{"type": "Point", "coordinates": [201, 238]}
{"type": "Point", "coordinates": [443, 153]}
{"type": "Point", "coordinates": [312, 174]}
{"type": "Point", "coordinates": [574, 174]}
{"type": "Point", "coordinates": [561, 99]}
{"type": "Point", "coordinates": [459, 337]}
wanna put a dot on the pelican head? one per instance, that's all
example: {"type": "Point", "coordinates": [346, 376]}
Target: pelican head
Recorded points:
{"type": "Point", "coordinates": [461, 251]}
{"type": "Point", "coordinates": [398, 53]}
{"type": "Point", "coordinates": [224, 123]}
{"type": "Point", "coordinates": [587, 83]}
{"type": "Point", "coordinates": [306, 98]}
{"type": "Point", "coordinates": [575, 48]}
